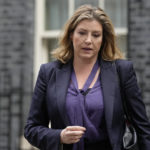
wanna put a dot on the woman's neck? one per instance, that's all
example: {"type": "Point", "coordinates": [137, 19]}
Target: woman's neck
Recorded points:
{"type": "Point", "coordinates": [83, 65]}
{"type": "Point", "coordinates": [82, 70]}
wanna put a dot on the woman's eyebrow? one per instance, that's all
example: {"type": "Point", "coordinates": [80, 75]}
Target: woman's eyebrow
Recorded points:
{"type": "Point", "coordinates": [82, 29]}
{"type": "Point", "coordinates": [95, 31]}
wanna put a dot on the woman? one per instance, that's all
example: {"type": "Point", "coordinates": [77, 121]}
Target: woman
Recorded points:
{"type": "Point", "coordinates": [79, 93]}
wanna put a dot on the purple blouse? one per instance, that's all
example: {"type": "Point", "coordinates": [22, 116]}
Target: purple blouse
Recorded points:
{"type": "Point", "coordinates": [85, 108]}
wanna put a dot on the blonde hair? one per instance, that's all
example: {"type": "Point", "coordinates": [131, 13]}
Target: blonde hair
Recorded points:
{"type": "Point", "coordinates": [108, 50]}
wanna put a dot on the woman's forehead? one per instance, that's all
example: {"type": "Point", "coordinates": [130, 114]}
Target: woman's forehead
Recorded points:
{"type": "Point", "coordinates": [89, 24]}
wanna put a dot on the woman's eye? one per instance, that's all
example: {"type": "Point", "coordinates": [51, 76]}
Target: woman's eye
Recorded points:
{"type": "Point", "coordinates": [82, 33]}
{"type": "Point", "coordinates": [96, 35]}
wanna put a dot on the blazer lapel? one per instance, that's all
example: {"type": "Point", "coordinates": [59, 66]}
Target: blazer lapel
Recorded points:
{"type": "Point", "coordinates": [62, 83]}
{"type": "Point", "coordinates": [108, 81]}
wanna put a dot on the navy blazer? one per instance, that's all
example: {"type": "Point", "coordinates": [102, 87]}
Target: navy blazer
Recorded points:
{"type": "Point", "coordinates": [49, 97]}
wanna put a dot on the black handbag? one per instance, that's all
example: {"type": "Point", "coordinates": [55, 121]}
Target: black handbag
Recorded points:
{"type": "Point", "coordinates": [130, 138]}
{"type": "Point", "coordinates": [130, 141]}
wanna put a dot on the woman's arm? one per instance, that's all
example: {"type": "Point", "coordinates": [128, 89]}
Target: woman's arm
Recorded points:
{"type": "Point", "coordinates": [136, 106]}
{"type": "Point", "coordinates": [36, 129]}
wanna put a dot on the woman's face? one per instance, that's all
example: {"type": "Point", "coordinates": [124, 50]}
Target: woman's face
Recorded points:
{"type": "Point", "coordinates": [87, 39]}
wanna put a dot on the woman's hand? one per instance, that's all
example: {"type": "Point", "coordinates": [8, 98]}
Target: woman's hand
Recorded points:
{"type": "Point", "coordinates": [71, 134]}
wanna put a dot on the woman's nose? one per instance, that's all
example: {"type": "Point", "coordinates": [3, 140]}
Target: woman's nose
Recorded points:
{"type": "Point", "coordinates": [88, 39]}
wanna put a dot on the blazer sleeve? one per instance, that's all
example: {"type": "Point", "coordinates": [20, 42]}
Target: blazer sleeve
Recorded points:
{"type": "Point", "coordinates": [36, 130]}
{"type": "Point", "coordinates": [135, 105]}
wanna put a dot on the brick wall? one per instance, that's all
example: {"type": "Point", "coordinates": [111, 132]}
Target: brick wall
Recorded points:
{"type": "Point", "coordinates": [139, 44]}
{"type": "Point", "coordinates": [16, 68]}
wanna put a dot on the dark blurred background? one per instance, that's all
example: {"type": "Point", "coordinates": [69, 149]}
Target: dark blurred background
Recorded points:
{"type": "Point", "coordinates": [28, 32]}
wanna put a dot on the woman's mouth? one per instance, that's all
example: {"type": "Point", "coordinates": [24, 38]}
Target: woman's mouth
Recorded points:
{"type": "Point", "coordinates": [87, 48]}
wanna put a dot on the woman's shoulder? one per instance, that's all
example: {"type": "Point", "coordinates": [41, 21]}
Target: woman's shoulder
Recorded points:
{"type": "Point", "coordinates": [52, 65]}
{"type": "Point", "coordinates": [55, 65]}
{"type": "Point", "coordinates": [124, 65]}
{"type": "Point", "coordinates": [49, 69]}
{"type": "Point", "coordinates": [125, 68]}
